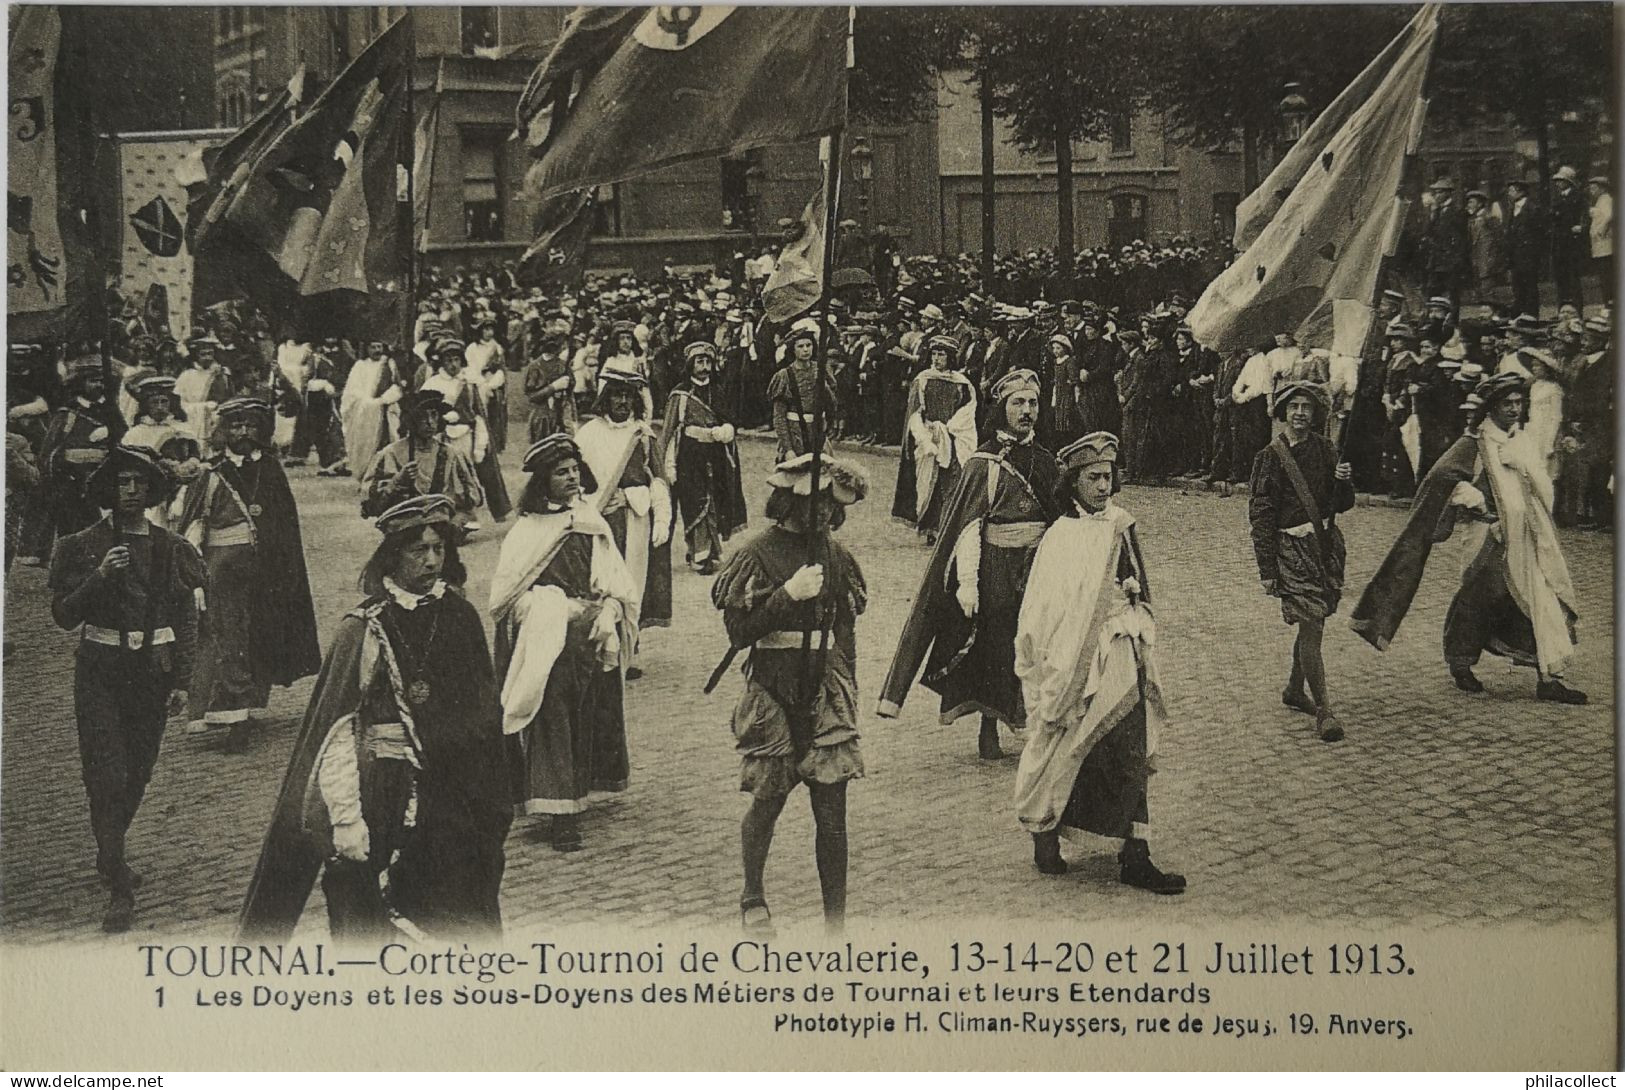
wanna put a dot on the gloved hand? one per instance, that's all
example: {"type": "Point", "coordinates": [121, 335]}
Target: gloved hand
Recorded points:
{"type": "Point", "coordinates": [967, 599]}
{"type": "Point", "coordinates": [351, 842]}
{"type": "Point", "coordinates": [806, 583]}
{"type": "Point", "coordinates": [722, 433]}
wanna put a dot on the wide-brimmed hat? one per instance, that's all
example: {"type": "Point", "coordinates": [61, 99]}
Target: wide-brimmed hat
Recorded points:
{"type": "Point", "coordinates": [550, 450]}
{"type": "Point", "coordinates": [934, 312]}
{"type": "Point", "coordinates": [102, 483]}
{"type": "Point", "coordinates": [1443, 185]}
{"type": "Point", "coordinates": [1566, 174]}
{"type": "Point", "coordinates": [1099, 446]}
{"type": "Point", "coordinates": [1301, 388]}
{"type": "Point", "coordinates": [845, 483]}
{"type": "Point", "coordinates": [433, 509]}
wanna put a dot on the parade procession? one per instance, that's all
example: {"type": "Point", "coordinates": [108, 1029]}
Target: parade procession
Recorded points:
{"type": "Point", "coordinates": [471, 470]}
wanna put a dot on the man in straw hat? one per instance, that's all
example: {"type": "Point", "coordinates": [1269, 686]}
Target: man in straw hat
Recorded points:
{"type": "Point", "coordinates": [128, 586]}
{"type": "Point", "coordinates": [1088, 679]}
{"type": "Point", "coordinates": [1515, 597]}
{"type": "Point", "coordinates": [1297, 491]}
{"type": "Point", "coordinates": [963, 623]}
{"type": "Point", "coordinates": [404, 717]}
{"type": "Point", "coordinates": [240, 514]}
{"type": "Point", "coordinates": [701, 461]}
{"type": "Point", "coordinates": [792, 589]}
{"type": "Point", "coordinates": [566, 612]}
{"type": "Point", "coordinates": [1570, 239]}
{"type": "Point", "coordinates": [939, 437]}
{"type": "Point", "coordinates": [619, 449]}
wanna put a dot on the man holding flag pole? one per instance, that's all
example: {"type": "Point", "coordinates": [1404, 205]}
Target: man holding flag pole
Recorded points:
{"type": "Point", "coordinates": [628, 91]}
{"type": "Point", "coordinates": [1311, 265]}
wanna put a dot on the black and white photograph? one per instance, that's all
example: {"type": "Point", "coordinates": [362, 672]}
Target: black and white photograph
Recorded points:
{"type": "Point", "coordinates": [811, 537]}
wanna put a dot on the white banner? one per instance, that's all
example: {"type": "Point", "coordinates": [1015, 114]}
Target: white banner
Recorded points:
{"type": "Point", "coordinates": [36, 274]}
{"type": "Point", "coordinates": [152, 212]}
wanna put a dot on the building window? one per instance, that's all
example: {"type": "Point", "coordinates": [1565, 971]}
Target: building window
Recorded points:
{"type": "Point", "coordinates": [606, 212]}
{"type": "Point", "coordinates": [479, 29]}
{"type": "Point", "coordinates": [735, 193]}
{"type": "Point", "coordinates": [1125, 219]}
{"type": "Point", "coordinates": [1121, 129]}
{"type": "Point", "coordinates": [482, 190]}
{"type": "Point", "coordinates": [1224, 216]}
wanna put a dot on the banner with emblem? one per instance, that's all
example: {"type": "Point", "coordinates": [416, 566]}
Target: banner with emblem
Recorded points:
{"type": "Point", "coordinates": [36, 273]}
{"type": "Point", "coordinates": [152, 211]}
{"type": "Point", "coordinates": [683, 83]}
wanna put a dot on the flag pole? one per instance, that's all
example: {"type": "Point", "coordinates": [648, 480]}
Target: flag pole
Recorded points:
{"type": "Point", "coordinates": [804, 726]}
{"type": "Point", "coordinates": [409, 289]}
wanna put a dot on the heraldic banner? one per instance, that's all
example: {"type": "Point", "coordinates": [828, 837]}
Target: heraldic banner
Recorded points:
{"type": "Point", "coordinates": [152, 210]}
{"type": "Point", "coordinates": [35, 270]}
{"type": "Point", "coordinates": [688, 83]}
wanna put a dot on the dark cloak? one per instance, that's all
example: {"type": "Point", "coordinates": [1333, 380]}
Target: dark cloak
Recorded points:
{"type": "Point", "coordinates": [450, 869]}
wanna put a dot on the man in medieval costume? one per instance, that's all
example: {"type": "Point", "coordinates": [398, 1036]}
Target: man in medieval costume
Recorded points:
{"type": "Point", "coordinates": [369, 406]}
{"type": "Point", "coordinates": [548, 379]}
{"type": "Point", "coordinates": [261, 630]}
{"type": "Point", "coordinates": [963, 624]}
{"type": "Point", "coordinates": [200, 388]}
{"type": "Point", "coordinates": [791, 393]}
{"type": "Point", "coordinates": [466, 428]}
{"type": "Point", "coordinates": [421, 463]}
{"type": "Point", "coordinates": [566, 611]}
{"type": "Point", "coordinates": [128, 586]}
{"type": "Point", "coordinates": [939, 437]}
{"type": "Point", "coordinates": [619, 449]}
{"type": "Point", "coordinates": [157, 430]}
{"type": "Point", "coordinates": [1088, 677]}
{"type": "Point", "coordinates": [791, 596]}
{"type": "Point", "coordinates": [701, 461]}
{"type": "Point", "coordinates": [1515, 597]}
{"type": "Point", "coordinates": [77, 439]}
{"type": "Point", "coordinates": [399, 767]}
{"type": "Point", "coordinates": [1298, 489]}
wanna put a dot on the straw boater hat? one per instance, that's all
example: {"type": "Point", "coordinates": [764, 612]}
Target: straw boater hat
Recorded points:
{"type": "Point", "coordinates": [433, 509]}
{"type": "Point", "coordinates": [1061, 339]}
{"type": "Point", "coordinates": [804, 330]}
{"type": "Point", "coordinates": [550, 450]}
{"type": "Point", "coordinates": [1098, 446]}
{"type": "Point", "coordinates": [845, 483]}
{"type": "Point", "coordinates": [103, 482]}
{"type": "Point", "coordinates": [1290, 390]}
{"type": "Point", "coordinates": [1527, 324]}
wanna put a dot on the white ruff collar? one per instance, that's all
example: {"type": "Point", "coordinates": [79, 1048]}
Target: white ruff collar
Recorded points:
{"type": "Point", "coordinates": [406, 599]}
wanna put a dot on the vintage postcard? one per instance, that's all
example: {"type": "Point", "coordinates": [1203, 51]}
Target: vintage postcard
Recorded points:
{"type": "Point", "coordinates": [810, 538]}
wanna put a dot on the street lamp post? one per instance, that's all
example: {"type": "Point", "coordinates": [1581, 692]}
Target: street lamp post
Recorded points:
{"type": "Point", "coordinates": [1293, 111]}
{"type": "Point", "coordinates": [863, 169]}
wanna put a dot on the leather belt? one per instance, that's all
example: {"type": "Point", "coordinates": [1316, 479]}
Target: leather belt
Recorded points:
{"type": "Point", "coordinates": [1014, 535]}
{"type": "Point", "coordinates": [784, 640]}
{"type": "Point", "coordinates": [132, 641]}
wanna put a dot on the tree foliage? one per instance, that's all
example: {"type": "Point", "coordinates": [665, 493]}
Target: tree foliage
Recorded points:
{"type": "Point", "coordinates": [899, 55]}
{"type": "Point", "coordinates": [1533, 62]}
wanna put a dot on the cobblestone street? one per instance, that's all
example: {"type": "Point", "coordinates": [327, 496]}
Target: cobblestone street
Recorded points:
{"type": "Point", "coordinates": [1439, 807]}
